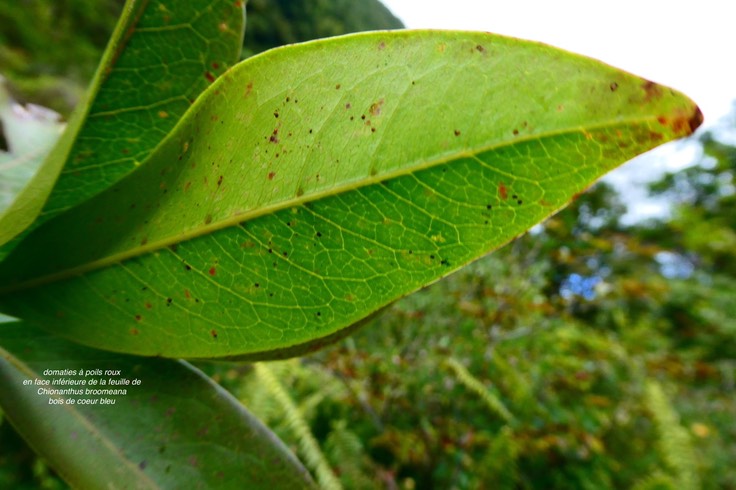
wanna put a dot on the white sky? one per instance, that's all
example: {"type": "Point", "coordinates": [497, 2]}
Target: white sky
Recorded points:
{"type": "Point", "coordinates": [685, 45]}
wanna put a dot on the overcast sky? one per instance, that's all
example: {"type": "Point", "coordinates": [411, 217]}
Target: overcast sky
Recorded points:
{"type": "Point", "coordinates": [685, 45]}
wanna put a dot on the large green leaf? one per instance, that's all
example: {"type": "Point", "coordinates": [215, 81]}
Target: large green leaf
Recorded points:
{"type": "Point", "coordinates": [177, 429]}
{"type": "Point", "coordinates": [314, 184]}
{"type": "Point", "coordinates": [162, 55]}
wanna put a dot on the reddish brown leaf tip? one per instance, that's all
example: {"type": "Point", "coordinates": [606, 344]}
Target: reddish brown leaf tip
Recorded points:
{"type": "Point", "coordinates": [696, 120]}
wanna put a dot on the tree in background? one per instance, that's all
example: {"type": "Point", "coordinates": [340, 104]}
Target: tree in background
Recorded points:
{"type": "Point", "coordinates": [274, 23]}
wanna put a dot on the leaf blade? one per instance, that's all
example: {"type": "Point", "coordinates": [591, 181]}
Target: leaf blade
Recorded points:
{"type": "Point", "coordinates": [135, 87]}
{"type": "Point", "coordinates": [177, 429]}
{"type": "Point", "coordinates": [297, 267]}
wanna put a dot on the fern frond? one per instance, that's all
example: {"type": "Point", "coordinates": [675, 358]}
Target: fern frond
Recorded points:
{"type": "Point", "coordinates": [656, 481]}
{"type": "Point", "coordinates": [674, 441]}
{"type": "Point", "coordinates": [346, 452]}
{"type": "Point", "coordinates": [308, 446]}
{"type": "Point", "coordinates": [474, 384]}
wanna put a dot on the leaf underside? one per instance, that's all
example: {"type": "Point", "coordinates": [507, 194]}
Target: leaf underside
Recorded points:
{"type": "Point", "coordinates": [158, 61]}
{"type": "Point", "coordinates": [177, 429]}
{"type": "Point", "coordinates": [314, 184]}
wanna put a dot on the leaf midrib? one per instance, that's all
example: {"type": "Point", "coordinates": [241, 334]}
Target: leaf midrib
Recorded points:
{"type": "Point", "coordinates": [236, 219]}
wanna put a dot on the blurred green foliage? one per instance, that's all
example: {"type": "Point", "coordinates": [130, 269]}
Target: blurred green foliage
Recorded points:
{"type": "Point", "coordinates": [587, 354]}
{"type": "Point", "coordinates": [49, 49]}
{"type": "Point", "coordinates": [629, 384]}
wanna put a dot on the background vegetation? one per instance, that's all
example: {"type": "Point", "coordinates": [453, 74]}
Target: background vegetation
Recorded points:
{"type": "Point", "coordinates": [587, 354]}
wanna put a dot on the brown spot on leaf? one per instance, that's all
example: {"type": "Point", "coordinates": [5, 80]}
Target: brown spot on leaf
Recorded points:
{"type": "Point", "coordinates": [163, 114]}
{"type": "Point", "coordinates": [213, 333]}
{"type": "Point", "coordinates": [613, 86]}
{"type": "Point", "coordinates": [213, 271]}
{"type": "Point", "coordinates": [248, 89]}
{"type": "Point", "coordinates": [480, 48]}
{"type": "Point", "coordinates": [208, 219]}
{"type": "Point", "coordinates": [457, 132]}
{"type": "Point", "coordinates": [654, 136]}
{"type": "Point", "coordinates": [375, 108]}
{"type": "Point", "coordinates": [209, 76]}
{"type": "Point", "coordinates": [651, 90]}
{"type": "Point", "coordinates": [271, 175]}
{"type": "Point", "coordinates": [503, 191]}
{"type": "Point", "coordinates": [684, 124]}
